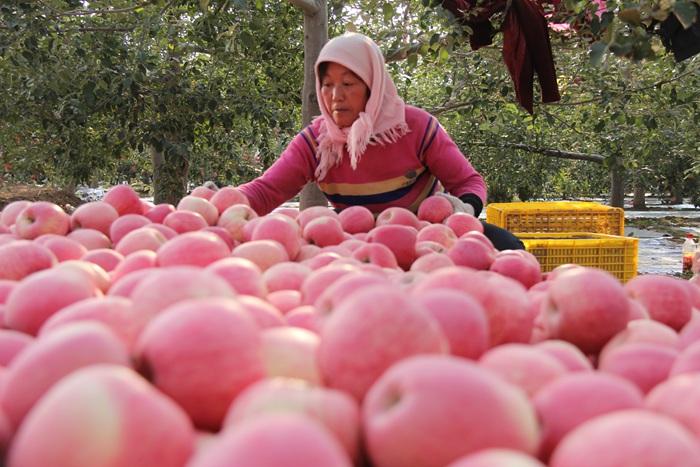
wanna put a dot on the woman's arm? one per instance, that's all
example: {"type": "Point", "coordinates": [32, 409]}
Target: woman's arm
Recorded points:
{"type": "Point", "coordinates": [283, 179]}
{"type": "Point", "coordinates": [453, 170]}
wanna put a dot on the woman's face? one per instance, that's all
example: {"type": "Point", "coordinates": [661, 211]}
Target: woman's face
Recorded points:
{"type": "Point", "coordinates": [344, 94]}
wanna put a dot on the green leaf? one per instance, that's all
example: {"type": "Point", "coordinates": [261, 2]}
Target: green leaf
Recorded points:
{"type": "Point", "coordinates": [597, 52]}
{"type": "Point", "coordinates": [412, 60]}
{"type": "Point", "coordinates": [444, 55]}
{"type": "Point", "coordinates": [685, 12]}
{"type": "Point", "coordinates": [204, 5]}
{"type": "Point", "coordinates": [388, 12]}
{"type": "Point", "coordinates": [630, 16]}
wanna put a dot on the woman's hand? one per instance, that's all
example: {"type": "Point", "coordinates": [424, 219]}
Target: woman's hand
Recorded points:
{"type": "Point", "coordinates": [457, 204]}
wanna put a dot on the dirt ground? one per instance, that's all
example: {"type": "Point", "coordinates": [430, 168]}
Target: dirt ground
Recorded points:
{"type": "Point", "coordinates": [64, 198]}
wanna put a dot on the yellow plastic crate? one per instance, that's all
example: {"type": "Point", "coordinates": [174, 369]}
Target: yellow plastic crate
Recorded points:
{"type": "Point", "coordinates": [615, 254]}
{"type": "Point", "coordinates": [557, 216]}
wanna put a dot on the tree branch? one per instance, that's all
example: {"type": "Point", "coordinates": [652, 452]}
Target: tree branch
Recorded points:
{"type": "Point", "coordinates": [597, 158]}
{"type": "Point", "coordinates": [309, 7]}
{"type": "Point", "coordinates": [105, 11]}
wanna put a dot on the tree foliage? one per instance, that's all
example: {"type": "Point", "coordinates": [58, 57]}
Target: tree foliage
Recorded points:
{"type": "Point", "coordinates": [91, 90]}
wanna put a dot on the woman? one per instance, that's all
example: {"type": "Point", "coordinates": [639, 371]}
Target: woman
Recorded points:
{"type": "Point", "coordinates": [369, 148]}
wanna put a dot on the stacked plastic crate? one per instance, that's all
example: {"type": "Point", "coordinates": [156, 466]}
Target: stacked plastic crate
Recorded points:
{"type": "Point", "coordinates": [562, 232]}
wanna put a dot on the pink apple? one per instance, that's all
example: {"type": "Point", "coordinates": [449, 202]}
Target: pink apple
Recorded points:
{"type": "Point", "coordinates": [568, 354]}
{"type": "Point", "coordinates": [9, 213]}
{"type": "Point", "coordinates": [376, 253]}
{"type": "Point", "coordinates": [44, 293]}
{"type": "Point", "coordinates": [226, 197]}
{"type": "Point", "coordinates": [106, 258]}
{"type": "Point", "coordinates": [90, 238]}
{"type": "Point", "coordinates": [628, 437]}
{"type": "Point", "coordinates": [125, 285]}
{"type": "Point", "coordinates": [161, 287]}
{"type": "Point", "coordinates": [159, 212]}
{"type": "Point", "coordinates": [643, 331]}
{"type": "Point", "coordinates": [290, 352]}
{"type": "Point", "coordinates": [523, 365]}
{"type": "Point", "coordinates": [335, 410]}
{"type": "Point", "coordinates": [222, 234]}
{"type": "Point", "coordinates": [97, 215]}
{"type": "Point", "coordinates": [117, 313]}
{"type": "Point", "coordinates": [323, 231]}
{"type": "Point", "coordinates": [290, 212]}
{"type": "Point", "coordinates": [678, 398]}
{"type": "Point", "coordinates": [307, 215]}
{"type": "Point", "coordinates": [400, 239]}
{"type": "Point", "coordinates": [587, 307]}
{"type": "Point", "coordinates": [234, 218]}
{"type": "Point", "coordinates": [575, 398]}
{"type": "Point", "coordinates": [243, 275]}
{"type": "Point", "coordinates": [51, 358]}
{"type": "Point", "coordinates": [192, 248]}
{"type": "Point", "coordinates": [505, 301]}
{"type": "Point", "coordinates": [263, 253]}
{"type": "Point", "coordinates": [397, 216]}
{"type": "Point", "coordinates": [124, 199]}
{"type": "Point", "coordinates": [125, 224]}
{"type": "Point", "coordinates": [281, 229]}
{"type": "Point", "coordinates": [320, 259]}
{"type": "Point", "coordinates": [203, 192]}
{"type": "Point", "coordinates": [666, 298]}
{"type": "Point", "coordinates": [185, 221]}
{"type": "Point", "coordinates": [356, 219]}
{"type": "Point", "coordinates": [425, 247]}
{"type": "Point", "coordinates": [284, 300]}
{"type": "Point", "coordinates": [304, 317]}
{"type": "Point", "coordinates": [273, 440]}
{"type": "Point", "coordinates": [202, 353]}
{"type": "Point", "coordinates": [518, 264]}
{"type": "Point", "coordinates": [438, 233]}
{"type": "Point", "coordinates": [431, 410]}
{"type": "Point", "coordinates": [12, 343]}
{"type": "Point", "coordinates": [321, 279]}
{"type": "Point", "coordinates": [435, 209]}
{"type": "Point", "coordinates": [201, 206]}
{"type": "Point", "coordinates": [142, 259]}
{"type": "Point", "coordinates": [62, 247]}
{"type": "Point", "coordinates": [644, 364]}
{"type": "Point", "coordinates": [471, 253]}
{"type": "Point", "coordinates": [91, 272]}
{"type": "Point", "coordinates": [286, 276]}
{"type": "Point", "coordinates": [497, 458]}
{"type": "Point", "coordinates": [461, 223]}
{"type": "Point", "coordinates": [113, 411]}
{"type": "Point", "coordinates": [143, 238]}
{"type": "Point", "coordinates": [342, 288]}
{"type": "Point", "coordinates": [41, 217]}
{"type": "Point", "coordinates": [690, 332]}
{"type": "Point", "coordinates": [263, 313]}
{"type": "Point", "coordinates": [688, 361]}
{"type": "Point", "coordinates": [353, 351]}
{"type": "Point", "coordinates": [461, 318]}
{"type": "Point", "coordinates": [6, 286]}
{"type": "Point", "coordinates": [430, 262]}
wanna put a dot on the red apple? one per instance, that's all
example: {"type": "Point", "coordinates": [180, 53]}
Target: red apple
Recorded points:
{"type": "Point", "coordinates": [112, 410]}
{"type": "Point", "coordinates": [41, 217]}
{"type": "Point", "coordinates": [124, 199]}
{"type": "Point", "coordinates": [356, 219]}
{"type": "Point", "coordinates": [429, 411]}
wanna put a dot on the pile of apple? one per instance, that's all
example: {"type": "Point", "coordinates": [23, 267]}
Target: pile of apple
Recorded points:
{"type": "Point", "coordinates": [204, 335]}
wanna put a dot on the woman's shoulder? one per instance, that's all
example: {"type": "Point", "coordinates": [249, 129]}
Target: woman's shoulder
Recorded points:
{"type": "Point", "coordinates": [417, 117]}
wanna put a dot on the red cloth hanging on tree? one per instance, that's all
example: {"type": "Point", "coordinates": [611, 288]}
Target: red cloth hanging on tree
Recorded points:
{"type": "Point", "coordinates": [526, 47]}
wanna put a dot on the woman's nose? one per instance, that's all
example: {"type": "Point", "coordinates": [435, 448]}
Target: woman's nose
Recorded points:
{"type": "Point", "coordinates": [338, 93]}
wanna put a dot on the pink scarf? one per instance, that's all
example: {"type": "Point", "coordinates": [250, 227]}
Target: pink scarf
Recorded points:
{"type": "Point", "coordinates": [383, 120]}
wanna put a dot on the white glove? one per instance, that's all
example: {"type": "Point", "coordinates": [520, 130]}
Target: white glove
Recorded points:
{"type": "Point", "coordinates": [457, 204]}
{"type": "Point", "coordinates": [211, 185]}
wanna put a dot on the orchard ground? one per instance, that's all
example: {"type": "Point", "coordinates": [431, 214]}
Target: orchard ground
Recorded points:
{"type": "Point", "coordinates": [660, 229]}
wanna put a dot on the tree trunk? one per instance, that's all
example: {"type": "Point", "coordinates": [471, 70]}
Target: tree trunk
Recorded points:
{"type": "Point", "coordinates": [170, 173]}
{"type": "Point", "coordinates": [639, 200]}
{"type": "Point", "coordinates": [617, 185]}
{"type": "Point", "coordinates": [315, 36]}
{"type": "Point", "coordinates": [677, 192]}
